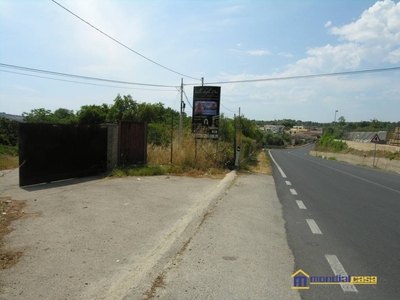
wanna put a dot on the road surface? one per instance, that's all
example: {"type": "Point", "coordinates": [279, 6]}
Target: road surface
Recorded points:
{"type": "Point", "coordinates": [340, 219]}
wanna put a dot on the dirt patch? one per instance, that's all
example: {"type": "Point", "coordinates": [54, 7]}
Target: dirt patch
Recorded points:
{"type": "Point", "coordinates": [10, 210]}
{"type": "Point", "coordinates": [260, 163]}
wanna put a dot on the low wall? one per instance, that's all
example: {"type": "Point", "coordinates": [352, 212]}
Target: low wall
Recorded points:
{"type": "Point", "coordinates": [380, 163]}
{"type": "Point", "coordinates": [371, 146]}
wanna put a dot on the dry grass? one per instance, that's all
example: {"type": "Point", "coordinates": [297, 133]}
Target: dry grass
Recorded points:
{"type": "Point", "coordinates": [259, 163]}
{"type": "Point", "coordinates": [11, 210]}
{"type": "Point", "coordinates": [369, 153]}
{"type": "Point", "coordinates": [194, 158]}
{"type": "Point", "coordinates": [8, 162]}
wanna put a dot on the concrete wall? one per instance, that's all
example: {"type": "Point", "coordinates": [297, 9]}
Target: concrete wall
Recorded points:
{"type": "Point", "coordinates": [112, 146]}
{"type": "Point", "coordinates": [371, 146]}
{"type": "Point", "coordinates": [380, 163]}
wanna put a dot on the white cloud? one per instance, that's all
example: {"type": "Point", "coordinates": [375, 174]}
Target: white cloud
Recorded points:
{"type": "Point", "coordinates": [372, 39]}
{"type": "Point", "coordinates": [285, 54]}
{"type": "Point", "coordinates": [328, 24]}
{"type": "Point", "coordinates": [104, 56]}
{"type": "Point", "coordinates": [394, 56]}
{"type": "Point", "coordinates": [380, 24]}
{"type": "Point", "coordinates": [259, 52]}
{"type": "Point", "coordinates": [22, 88]}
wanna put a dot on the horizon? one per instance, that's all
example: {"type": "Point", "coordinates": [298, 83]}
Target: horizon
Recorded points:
{"type": "Point", "coordinates": [234, 42]}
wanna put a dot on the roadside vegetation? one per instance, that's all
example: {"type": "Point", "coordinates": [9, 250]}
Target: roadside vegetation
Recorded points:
{"type": "Point", "coordinates": [8, 144]}
{"type": "Point", "coordinates": [329, 143]}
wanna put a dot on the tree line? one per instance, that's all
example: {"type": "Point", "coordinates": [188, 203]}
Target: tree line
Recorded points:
{"type": "Point", "coordinates": [161, 120]}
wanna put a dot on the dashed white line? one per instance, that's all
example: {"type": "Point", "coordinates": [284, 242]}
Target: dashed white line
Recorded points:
{"type": "Point", "coordinates": [338, 269]}
{"type": "Point", "coordinates": [293, 191]}
{"type": "Point", "coordinates": [288, 183]}
{"type": "Point", "coordinates": [313, 226]}
{"type": "Point", "coordinates": [301, 204]}
{"type": "Point", "coordinates": [279, 168]}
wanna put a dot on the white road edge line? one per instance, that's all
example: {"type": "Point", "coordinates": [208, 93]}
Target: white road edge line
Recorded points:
{"type": "Point", "coordinates": [338, 269]}
{"type": "Point", "coordinates": [288, 183]}
{"type": "Point", "coordinates": [279, 168]}
{"type": "Point", "coordinates": [301, 204]}
{"type": "Point", "coordinates": [313, 226]}
{"type": "Point", "coordinates": [355, 176]}
{"type": "Point", "coordinates": [293, 191]}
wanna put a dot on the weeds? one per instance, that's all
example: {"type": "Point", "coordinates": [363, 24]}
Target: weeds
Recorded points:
{"type": "Point", "coordinates": [8, 157]}
{"type": "Point", "coordinates": [194, 158]}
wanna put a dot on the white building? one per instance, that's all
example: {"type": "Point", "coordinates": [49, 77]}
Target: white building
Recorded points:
{"type": "Point", "coordinates": [274, 128]}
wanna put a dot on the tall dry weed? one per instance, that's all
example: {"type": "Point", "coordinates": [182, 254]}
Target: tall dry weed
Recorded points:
{"type": "Point", "coordinates": [189, 153]}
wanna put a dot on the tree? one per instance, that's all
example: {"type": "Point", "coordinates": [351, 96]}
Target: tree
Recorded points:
{"type": "Point", "coordinates": [341, 121]}
{"type": "Point", "coordinates": [123, 109]}
{"type": "Point", "coordinates": [226, 130]}
{"type": "Point", "coordinates": [39, 115]}
{"type": "Point", "coordinates": [8, 132]}
{"type": "Point", "coordinates": [92, 114]}
{"type": "Point", "coordinates": [64, 116]}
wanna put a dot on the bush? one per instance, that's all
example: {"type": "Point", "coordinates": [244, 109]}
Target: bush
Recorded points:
{"type": "Point", "coordinates": [328, 141]}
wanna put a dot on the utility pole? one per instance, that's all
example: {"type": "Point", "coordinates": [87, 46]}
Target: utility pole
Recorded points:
{"type": "Point", "coordinates": [181, 111]}
{"type": "Point", "coordinates": [202, 81]}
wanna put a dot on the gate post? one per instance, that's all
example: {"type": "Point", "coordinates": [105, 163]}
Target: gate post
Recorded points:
{"type": "Point", "coordinates": [112, 146]}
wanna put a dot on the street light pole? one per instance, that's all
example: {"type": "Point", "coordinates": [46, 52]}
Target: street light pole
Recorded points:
{"type": "Point", "coordinates": [334, 123]}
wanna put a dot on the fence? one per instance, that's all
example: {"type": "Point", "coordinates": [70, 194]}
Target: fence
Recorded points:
{"type": "Point", "coordinates": [51, 152]}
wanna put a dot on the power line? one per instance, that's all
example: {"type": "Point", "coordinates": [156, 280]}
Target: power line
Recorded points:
{"type": "Point", "coordinates": [80, 77]}
{"type": "Point", "coordinates": [130, 49]}
{"type": "Point", "coordinates": [228, 108]}
{"type": "Point", "coordinates": [304, 76]}
{"type": "Point", "coordinates": [187, 99]}
{"type": "Point", "coordinates": [87, 83]}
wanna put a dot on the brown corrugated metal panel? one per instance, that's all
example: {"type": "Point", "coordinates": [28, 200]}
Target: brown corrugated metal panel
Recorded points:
{"type": "Point", "coordinates": [132, 143]}
{"type": "Point", "coordinates": [50, 152]}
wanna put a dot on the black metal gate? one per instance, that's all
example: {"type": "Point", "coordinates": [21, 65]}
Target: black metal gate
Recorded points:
{"type": "Point", "coordinates": [132, 143]}
{"type": "Point", "coordinates": [50, 152]}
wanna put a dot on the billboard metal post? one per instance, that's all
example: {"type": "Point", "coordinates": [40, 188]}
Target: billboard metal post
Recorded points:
{"type": "Point", "coordinates": [180, 112]}
{"type": "Point", "coordinates": [172, 134]}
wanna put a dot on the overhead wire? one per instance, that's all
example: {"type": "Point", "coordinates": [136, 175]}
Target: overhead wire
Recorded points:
{"type": "Point", "coordinates": [228, 109]}
{"type": "Point", "coordinates": [187, 99]}
{"type": "Point", "coordinates": [80, 76]}
{"type": "Point", "coordinates": [87, 83]}
{"type": "Point", "coordinates": [123, 45]}
{"type": "Point", "coordinates": [303, 76]}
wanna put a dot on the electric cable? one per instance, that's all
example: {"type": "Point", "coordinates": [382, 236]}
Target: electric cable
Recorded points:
{"type": "Point", "coordinates": [304, 76]}
{"type": "Point", "coordinates": [123, 45]}
{"type": "Point", "coordinates": [228, 108]}
{"type": "Point", "coordinates": [187, 99]}
{"type": "Point", "coordinates": [80, 77]}
{"type": "Point", "coordinates": [87, 83]}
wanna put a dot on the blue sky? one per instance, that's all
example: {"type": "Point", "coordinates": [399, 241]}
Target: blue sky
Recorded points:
{"type": "Point", "coordinates": [221, 41]}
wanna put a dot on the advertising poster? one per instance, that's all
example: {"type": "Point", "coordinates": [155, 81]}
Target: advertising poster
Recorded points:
{"type": "Point", "coordinates": [205, 118]}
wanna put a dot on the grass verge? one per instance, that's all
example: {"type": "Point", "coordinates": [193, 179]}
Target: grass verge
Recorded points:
{"type": "Point", "coordinates": [8, 157]}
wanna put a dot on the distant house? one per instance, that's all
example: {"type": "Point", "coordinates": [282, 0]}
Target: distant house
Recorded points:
{"type": "Point", "coordinates": [274, 128]}
{"type": "Point", "coordinates": [298, 130]}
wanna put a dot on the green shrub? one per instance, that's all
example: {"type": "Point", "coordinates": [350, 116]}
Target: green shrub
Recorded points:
{"type": "Point", "coordinates": [328, 141]}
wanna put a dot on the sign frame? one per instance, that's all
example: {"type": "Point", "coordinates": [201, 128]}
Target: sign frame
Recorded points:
{"type": "Point", "coordinates": [206, 111]}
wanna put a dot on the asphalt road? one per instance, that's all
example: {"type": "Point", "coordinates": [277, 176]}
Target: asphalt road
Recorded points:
{"type": "Point", "coordinates": [340, 219]}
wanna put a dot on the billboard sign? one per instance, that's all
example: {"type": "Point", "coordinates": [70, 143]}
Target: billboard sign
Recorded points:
{"type": "Point", "coordinates": [205, 118]}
